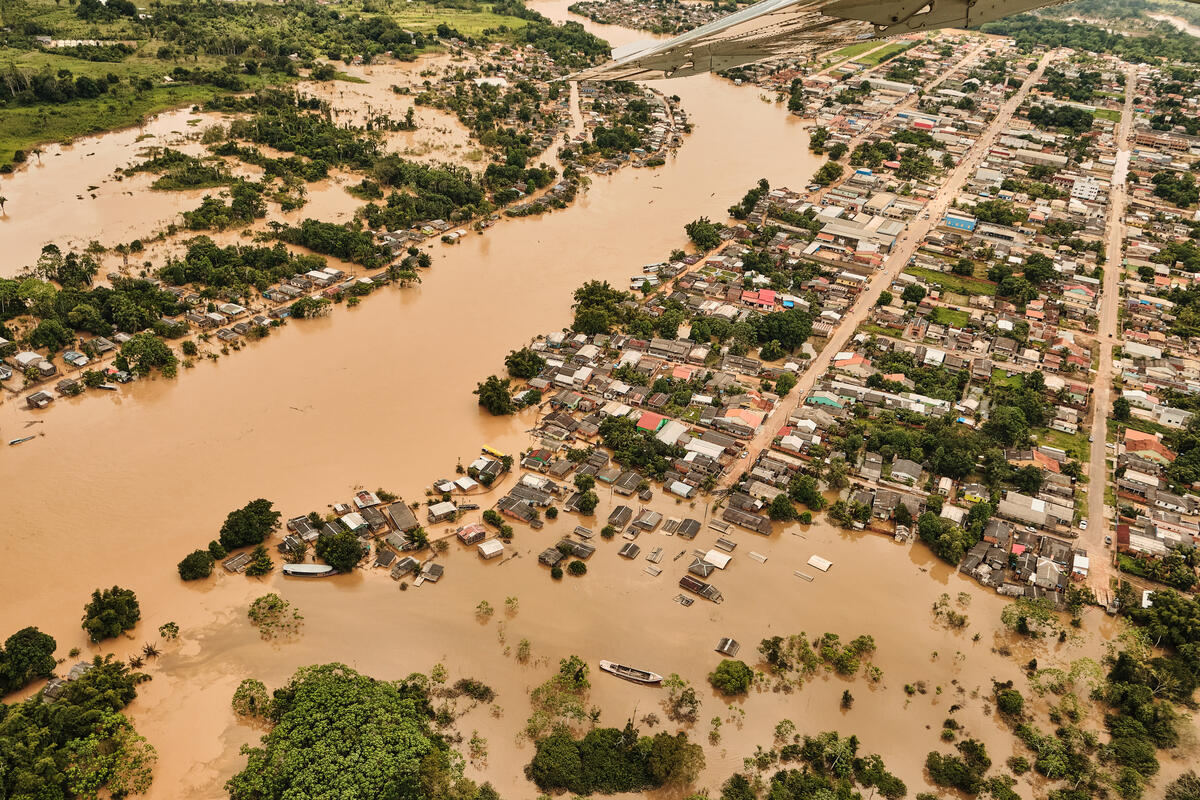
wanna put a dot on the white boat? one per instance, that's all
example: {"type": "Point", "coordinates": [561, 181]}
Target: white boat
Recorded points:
{"type": "Point", "coordinates": [307, 570]}
{"type": "Point", "coordinates": [630, 673]}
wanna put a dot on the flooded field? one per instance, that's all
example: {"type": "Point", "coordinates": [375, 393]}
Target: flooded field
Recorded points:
{"type": "Point", "coordinates": [120, 487]}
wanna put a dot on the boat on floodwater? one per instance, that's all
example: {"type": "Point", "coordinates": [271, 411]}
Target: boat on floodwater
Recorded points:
{"type": "Point", "coordinates": [630, 673]}
{"type": "Point", "coordinates": [11, 442]}
{"type": "Point", "coordinates": [307, 570]}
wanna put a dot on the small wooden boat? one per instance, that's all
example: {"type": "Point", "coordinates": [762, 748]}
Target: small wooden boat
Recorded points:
{"type": "Point", "coordinates": [22, 439]}
{"type": "Point", "coordinates": [630, 673]}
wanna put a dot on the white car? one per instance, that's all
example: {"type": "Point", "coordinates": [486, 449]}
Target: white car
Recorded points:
{"type": "Point", "coordinates": [1083, 524]}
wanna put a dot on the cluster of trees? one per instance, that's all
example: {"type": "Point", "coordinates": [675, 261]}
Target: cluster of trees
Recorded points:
{"type": "Point", "coordinates": [1036, 33]}
{"type": "Point", "coordinates": [79, 744]}
{"type": "Point", "coordinates": [250, 524]}
{"type": "Point", "coordinates": [742, 209]}
{"type": "Point", "coordinates": [963, 770]}
{"type": "Point", "coordinates": [829, 767]}
{"type": "Point", "coordinates": [872, 154]}
{"type": "Point", "coordinates": [130, 305]}
{"type": "Point", "coordinates": [340, 241]}
{"type": "Point", "coordinates": [336, 731]}
{"type": "Point", "coordinates": [1066, 118]}
{"type": "Point", "coordinates": [423, 192]}
{"type": "Point", "coordinates": [1176, 188]}
{"type": "Point", "coordinates": [636, 448]}
{"type": "Point", "coordinates": [524, 363]}
{"type": "Point", "coordinates": [110, 613]}
{"type": "Point", "coordinates": [1080, 87]}
{"type": "Point", "coordinates": [610, 760]}
{"type": "Point", "coordinates": [1176, 569]}
{"type": "Point", "coordinates": [732, 677]}
{"type": "Point", "coordinates": [829, 172]}
{"type": "Point", "coordinates": [27, 655]}
{"type": "Point", "coordinates": [946, 539]}
{"type": "Point", "coordinates": [235, 268]}
{"type": "Point", "coordinates": [598, 308]}
{"type": "Point", "coordinates": [936, 382]}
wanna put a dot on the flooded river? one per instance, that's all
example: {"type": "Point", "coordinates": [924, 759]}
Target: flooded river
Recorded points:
{"type": "Point", "coordinates": [120, 487]}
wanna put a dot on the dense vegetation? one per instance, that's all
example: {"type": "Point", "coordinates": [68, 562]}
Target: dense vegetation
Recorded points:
{"type": "Point", "coordinates": [825, 766]}
{"type": "Point", "coordinates": [27, 655]}
{"type": "Point", "coordinates": [1035, 32]}
{"type": "Point", "coordinates": [110, 613]}
{"type": "Point", "coordinates": [77, 745]}
{"type": "Point", "coordinates": [609, 760]}
{"type": "Point", "coordinates": [248, 525]}
{"type": "Point", "coordinates": [335, 732]}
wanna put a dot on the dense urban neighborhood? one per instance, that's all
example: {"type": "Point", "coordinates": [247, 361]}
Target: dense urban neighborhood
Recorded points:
{"type": "Point", "coordinates": [829, 411]}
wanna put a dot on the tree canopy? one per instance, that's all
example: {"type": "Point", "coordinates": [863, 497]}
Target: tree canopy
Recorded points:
{"type": "Point", "coordinates": [338, 733]}
{"type": "Point", "coordinates": [110, 613]}
{"type": "Point", "coordinates": [250, 524]}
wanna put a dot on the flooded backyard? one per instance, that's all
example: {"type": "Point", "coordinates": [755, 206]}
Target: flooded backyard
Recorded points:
{"type": "Point", "coordinates": [117, 488]}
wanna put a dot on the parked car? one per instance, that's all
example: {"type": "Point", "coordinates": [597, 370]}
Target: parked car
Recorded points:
{"type": "Point", "coordinates": [1083, 524]}
{"type": "Point", "coordinates": [1108, 540]}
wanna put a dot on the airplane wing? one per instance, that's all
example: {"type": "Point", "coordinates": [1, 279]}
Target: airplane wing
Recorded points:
{"type": "Point", "coordinates": [789, 27]}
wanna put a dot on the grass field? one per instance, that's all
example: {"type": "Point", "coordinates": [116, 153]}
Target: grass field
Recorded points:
{"type": "Point", "coordinates": [949, 316]}
{"type": "Point", "coordinates": [879, 330]}
{"type": "Point", "coordinates": [850, 51]}
{"type": "Point", "coordinates": [959, 284]}
{"type": "Point", "coordinates": [1108, 113]}
{"type": "Point", "coordinates": [1076, 444]}
{"type": "Point", "coordinates": [1001, 378]}
{"type": "Point", "coordinates": [891, 51]}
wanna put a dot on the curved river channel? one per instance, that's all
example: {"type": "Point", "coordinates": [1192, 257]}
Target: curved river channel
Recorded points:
{"type": "Point", "coordinates": [120, 487]}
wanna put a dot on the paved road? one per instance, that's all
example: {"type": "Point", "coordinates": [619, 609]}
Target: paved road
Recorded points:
{"type": "Point", "coordinates": [1099, 525]}
{"type": "Point", "coordinates": [896, 261]}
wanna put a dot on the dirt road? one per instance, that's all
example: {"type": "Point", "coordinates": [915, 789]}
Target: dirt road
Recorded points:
{"type": "Point", "coordinates": [1100, 569]}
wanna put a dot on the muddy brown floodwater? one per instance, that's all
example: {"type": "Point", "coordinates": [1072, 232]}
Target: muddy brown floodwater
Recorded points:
{"type": "Point", "coordinates": [119, 488]}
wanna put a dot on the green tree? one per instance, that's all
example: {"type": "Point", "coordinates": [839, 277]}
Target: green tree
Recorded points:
{"type": "Point", "coordinates": [51, 335]}
{"type": "Point", "coordinates": [146, 352]}
{"type": "Point", "coordinates": [704, 233]}
{"type": "Point", "coordinates": [1122, 409]}
{"type": "Point", "coordinates": [341, 550]}
{"type": "Point", "coordinates": [524, 363]}
{"type": "Point", "coordinates": [494, 395]}
{"type": "Point", "coordinates": [196, 565]}
{"type": "Point", "coordinates": [913, 293]}
{"type": "Point", "coordinates": [731, 677]}
{"type": "Point", "coordinates": [110, 613]}
{"type": "Point", "coordinates": [781, 508]}
{"type": "Point", "coordinates": [260, 562]}
{"type": "Point", "coordinates": [577, 568]}
{"type": "Point", "coordinates": [587, 503]}
{"type": "Point", "coordinates": [250, 524]}
{"type": "Point", "coordinates": [27, 654]}
{"type": "Point", "coordinates": [1007, 425]}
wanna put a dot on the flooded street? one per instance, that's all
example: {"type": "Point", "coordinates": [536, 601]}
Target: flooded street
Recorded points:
{"type": "Point", "coordinates": [120, 487]}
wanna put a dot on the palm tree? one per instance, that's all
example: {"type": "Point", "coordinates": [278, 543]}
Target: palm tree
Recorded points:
{"type": "Point", "coordinates": [416, 539]}
{"type": "Point", "coordinates": [149, 650]}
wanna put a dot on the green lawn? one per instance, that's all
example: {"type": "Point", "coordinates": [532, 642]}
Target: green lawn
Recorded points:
{"type": "Point", "coordinates": [850, 51]}
{"type": "Point", "coordinates": [879, 330]}
{"type": "Point", "coordinates": [891, 51]}
{"type": "Point", "coordinates": [949, 316]}
{"type": "Point", "coordinates": [1108, 113]}
{"type": "Point", "coordinates": [1075, 444]}
{"type": "Point", "coordinates": [958, 284]}
{"type": "Point", "coordinates": [1001, 378]}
